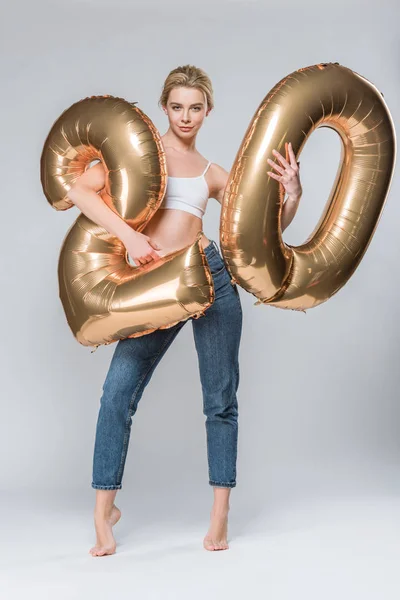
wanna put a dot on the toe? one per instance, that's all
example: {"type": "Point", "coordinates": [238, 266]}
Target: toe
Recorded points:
{"type": "Point", "coordinates": [97, 551]}
{"type": "Point", "coordinates": [208, 544]}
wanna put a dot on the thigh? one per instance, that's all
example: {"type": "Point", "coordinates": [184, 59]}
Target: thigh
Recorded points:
{"type": "Point", "coordinates": [134, 357]}
{"type": "Point", "coordinates": [218, 332]}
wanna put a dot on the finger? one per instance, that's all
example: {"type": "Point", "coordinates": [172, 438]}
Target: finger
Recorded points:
{"type": "Point", "coordinates": [276, 166]}
{"type": "Point", "coordinates": [145, 260]}
{"type": "Point", "coordinates": [289, 172]}
{"type": "Point", "coordinates": [292, 157]}
{"type": "Point", "coordinates": [280, 158]}
{"type": "Point", "coordinates": [155, 256]}
{"type": "Point", "coordinates": [274, 175]}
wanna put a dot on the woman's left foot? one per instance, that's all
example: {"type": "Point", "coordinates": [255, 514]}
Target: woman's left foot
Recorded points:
{"type": "Point", "coordinates": [216, 538]}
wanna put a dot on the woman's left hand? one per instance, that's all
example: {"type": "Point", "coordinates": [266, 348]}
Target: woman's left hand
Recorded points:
{"type": "Point", "coordinates": [288, 173]}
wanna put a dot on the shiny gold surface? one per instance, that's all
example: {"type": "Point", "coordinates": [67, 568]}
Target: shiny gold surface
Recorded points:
{"type": "Point", "coordinates": [104, 297]}
{"type": "Point", "coordinates": [301, 277]}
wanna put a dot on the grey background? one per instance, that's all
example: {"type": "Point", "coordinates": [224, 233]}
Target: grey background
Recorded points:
{"type": "Point", "coordinates": [319, 440]}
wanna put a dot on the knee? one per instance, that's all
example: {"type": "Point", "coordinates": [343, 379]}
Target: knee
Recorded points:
{"type": "Point", "coordinates": [221, 405]}
{"type": "Point", "coordinates": [118, 391]}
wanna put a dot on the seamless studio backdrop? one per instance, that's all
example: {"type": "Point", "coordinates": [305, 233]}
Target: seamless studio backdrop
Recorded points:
{"type": "Point", "coordinates": [318, 396]}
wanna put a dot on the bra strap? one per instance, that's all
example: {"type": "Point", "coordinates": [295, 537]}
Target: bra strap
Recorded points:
{"type": "Point", "coordinates": [206, 169]}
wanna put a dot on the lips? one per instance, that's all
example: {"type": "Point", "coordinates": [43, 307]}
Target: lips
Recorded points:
{"type": "Point", "coordinates": [186, 128]}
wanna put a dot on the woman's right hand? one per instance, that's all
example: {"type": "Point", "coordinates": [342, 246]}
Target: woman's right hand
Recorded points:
{"type": "Point", "coordinates": [140, 247]}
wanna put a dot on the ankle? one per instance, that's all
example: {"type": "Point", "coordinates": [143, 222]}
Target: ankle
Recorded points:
{"type": "Point", "coordinates": [103, 512]}
{"type": "Point", "coordinates": [220, 510]}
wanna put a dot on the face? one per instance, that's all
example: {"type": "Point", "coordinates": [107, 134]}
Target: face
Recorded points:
{"type": "Point", "coordinates": [186, 110]}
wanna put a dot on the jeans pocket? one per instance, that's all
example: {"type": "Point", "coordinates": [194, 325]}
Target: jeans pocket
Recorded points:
{"type": "Point", "coordinates": [217, 270]}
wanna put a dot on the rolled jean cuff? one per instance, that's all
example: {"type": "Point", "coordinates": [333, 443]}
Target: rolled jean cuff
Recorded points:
{"type": "Point", "coordinates": [106, 487]}
{"type": "Point", "coordinates": [219, 484]}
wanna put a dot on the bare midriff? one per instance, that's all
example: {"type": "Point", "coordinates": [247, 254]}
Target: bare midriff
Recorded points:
{"type": "Point", "coordinates": [173, 229]}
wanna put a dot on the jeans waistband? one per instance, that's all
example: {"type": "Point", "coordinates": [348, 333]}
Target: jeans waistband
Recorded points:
{"type": "Point", "coordinates": [211, 248]}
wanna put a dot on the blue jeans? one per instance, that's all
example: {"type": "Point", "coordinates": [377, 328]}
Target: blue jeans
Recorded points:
{"type": "Point", "coordinates": [217, 337]}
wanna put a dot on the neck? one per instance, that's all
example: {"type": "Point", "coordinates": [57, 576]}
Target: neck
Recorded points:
{"type": "Point", "coordinates": [179, 144]}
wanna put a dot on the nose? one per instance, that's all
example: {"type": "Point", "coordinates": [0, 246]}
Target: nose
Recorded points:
{"type": "Point", "coordinates": [185, 117]}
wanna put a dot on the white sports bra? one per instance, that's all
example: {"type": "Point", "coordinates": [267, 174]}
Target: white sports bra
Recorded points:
{"type": "Point", "coordinates": [187, 193]}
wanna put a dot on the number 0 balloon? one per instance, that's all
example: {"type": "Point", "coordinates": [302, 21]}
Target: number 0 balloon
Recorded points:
{"type": "Point", "coordinates": [324, 95]}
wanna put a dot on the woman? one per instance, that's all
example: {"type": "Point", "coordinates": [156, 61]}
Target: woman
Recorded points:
{"type": "Point", "coordinates": [186, 99]}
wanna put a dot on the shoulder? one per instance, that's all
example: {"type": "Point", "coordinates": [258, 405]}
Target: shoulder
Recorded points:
{"type": "Point", "coordinates": [218, 177]}
{"type": "Point", "coordinates": [218, 171]}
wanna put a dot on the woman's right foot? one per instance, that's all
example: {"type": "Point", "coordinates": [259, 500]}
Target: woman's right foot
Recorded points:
{"type": "Point", "coordinates": [105, 542]}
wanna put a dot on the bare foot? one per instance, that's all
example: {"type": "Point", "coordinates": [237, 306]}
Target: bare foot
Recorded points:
{"type": "Point", "coordinates": [105, 542]}
{"type": "Point", "coordinates": [216, 538]}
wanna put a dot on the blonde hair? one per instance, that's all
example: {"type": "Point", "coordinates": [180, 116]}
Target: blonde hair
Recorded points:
{"type": "Point", "coordinates": [191, 77]}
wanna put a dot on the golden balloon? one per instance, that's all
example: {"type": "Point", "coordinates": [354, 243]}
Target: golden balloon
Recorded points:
{"type": "Point", "coordinates": [104, 297]}
{"type": "Point", "coordinates": [301, 277]}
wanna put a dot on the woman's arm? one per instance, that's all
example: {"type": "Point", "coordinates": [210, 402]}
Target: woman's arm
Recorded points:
{"type": "Point", "coordinates": [220, 179]}
{"type": "Point", "coordinates": [289, 208]}
{"type": "Point", "coordinates": [83, 194]}
{"type": "Point", "coordinates": [288, 174]}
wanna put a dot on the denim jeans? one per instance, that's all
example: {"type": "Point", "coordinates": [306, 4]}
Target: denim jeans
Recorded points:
{"type": "Point", "coordinates": [217, 337]}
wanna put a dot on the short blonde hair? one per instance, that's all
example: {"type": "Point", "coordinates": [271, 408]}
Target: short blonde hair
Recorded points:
{"type": "Point", "coordinates": [191, 77]}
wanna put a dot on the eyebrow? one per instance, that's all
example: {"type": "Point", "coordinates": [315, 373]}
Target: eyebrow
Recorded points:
{"type": "Point", "coordinates": [195, 104]}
